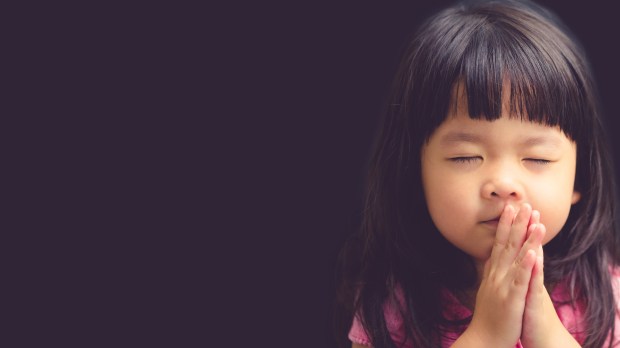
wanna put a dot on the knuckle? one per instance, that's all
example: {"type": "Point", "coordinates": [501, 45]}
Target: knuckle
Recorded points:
{"type": "Point", "coordinates": [512, 245]}
{"type": "Point", "coordinates": [518, 282]}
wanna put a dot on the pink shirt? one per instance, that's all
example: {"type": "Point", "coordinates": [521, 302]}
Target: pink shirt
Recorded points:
{"type": "Point", "coordinates": [569, 316]}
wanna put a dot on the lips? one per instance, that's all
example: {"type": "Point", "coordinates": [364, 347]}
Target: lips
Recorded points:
{"type": "Point", "coordinates": [494, 219]}
{"type": "Point", "coordinates": [491, 222]}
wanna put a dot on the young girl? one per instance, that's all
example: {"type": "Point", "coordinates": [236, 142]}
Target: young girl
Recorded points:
{"type": "Point", "coordinates": [489, 215]}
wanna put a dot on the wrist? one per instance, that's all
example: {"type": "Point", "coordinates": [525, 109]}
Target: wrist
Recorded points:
{"type": "Point", "coordinates": [562, 338]}
{"type": "Point", "coordinates": [555, 336]}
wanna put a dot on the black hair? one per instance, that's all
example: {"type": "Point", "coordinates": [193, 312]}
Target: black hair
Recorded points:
{"type": "Point", "coordinates": [481, 44]}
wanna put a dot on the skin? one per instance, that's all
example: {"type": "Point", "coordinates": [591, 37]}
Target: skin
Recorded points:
{"type": "Point", "coordinates": [499, 191]}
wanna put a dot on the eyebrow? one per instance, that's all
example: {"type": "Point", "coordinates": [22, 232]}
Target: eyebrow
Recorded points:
{"type": "Point", "coordinates": [540, 140]}
{"type": "Point", "coordinates": [459, 136]}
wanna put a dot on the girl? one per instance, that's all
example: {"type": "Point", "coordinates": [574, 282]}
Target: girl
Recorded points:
{"type": "Point", "coordinates": [491, 147]}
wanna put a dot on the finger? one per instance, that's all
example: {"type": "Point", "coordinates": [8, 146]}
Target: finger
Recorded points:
{"type": "Point", "coordinates": [516, 237]}
{"type": "Point", "coordinates": [534, 299]}
{"type": "Point", "coordinates": [522, 274]}
{"type": "Point", "coordinates": [539, 309]}
{"type": "Point", "coordinates": [501, 235]}
{"type": "Point", "coordinates": [543, 232]}
{"type": "Point", "coordinates": [536, 233]}
{"type": "Point", "coordinates": [535, 218]}
{"type": "Point", "coordinates": [487, 267]}
{"type": "Point", "coordinates": [504, 224]}
{"type": "Point", "coordinates": [537, 282]}
{"type": "Point", "coordinates": [540, 255]}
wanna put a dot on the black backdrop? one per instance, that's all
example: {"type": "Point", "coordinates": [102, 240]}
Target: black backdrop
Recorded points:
{"type": "Point", "coordinates": [214, 163]}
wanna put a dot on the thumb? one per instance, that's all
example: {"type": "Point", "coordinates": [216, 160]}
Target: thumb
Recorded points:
{"type": "Point", "coordinates": [487, 268]}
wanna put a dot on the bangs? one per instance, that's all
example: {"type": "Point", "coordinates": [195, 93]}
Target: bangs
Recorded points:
{"type": "Point", "coordinates": [486, 51]}
{"type": "Point", "coordinates": [543, 86]}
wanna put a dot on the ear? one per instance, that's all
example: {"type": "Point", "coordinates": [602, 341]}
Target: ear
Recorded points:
{"type": "Point", "coordinates": [576, 197]}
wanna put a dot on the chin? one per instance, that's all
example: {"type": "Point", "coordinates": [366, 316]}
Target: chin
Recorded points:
{"type": "Point", "coordinates": [481, 256]}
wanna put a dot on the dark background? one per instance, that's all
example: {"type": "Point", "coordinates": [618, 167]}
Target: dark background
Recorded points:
{"type": "Point", "coordinates": [200, 167]}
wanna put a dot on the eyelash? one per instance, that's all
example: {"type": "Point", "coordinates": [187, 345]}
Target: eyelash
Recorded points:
{"type": "Point", "coordinates": [538, 161]}
{"type": "Point", "coordinates": [475, 158]}
{"type": "Point", "coordinates": [465, 159]}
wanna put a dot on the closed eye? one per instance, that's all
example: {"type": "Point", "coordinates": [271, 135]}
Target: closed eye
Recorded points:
{"type": "Point", "coordinates": [537, 161]}
{"type": "Point", "coordinates": [465, 159]}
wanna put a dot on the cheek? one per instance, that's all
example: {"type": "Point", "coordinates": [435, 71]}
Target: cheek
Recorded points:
{"type": "Point", "coordinates": [447, 198]}
{"type": "Point", "coordinates": [554, 222]}
{"type": "Point", "coordinates": [554, 207]}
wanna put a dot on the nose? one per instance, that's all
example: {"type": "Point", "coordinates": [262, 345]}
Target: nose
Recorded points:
{"type": "Point", "coordinates": [504, 188]}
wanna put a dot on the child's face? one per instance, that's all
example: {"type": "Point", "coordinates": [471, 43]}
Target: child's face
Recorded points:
{"type": "Point", "coordinates": [472, 168]}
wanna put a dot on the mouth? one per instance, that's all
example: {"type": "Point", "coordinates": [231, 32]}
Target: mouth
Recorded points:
{"type": "Point", "coordinates": [491, 222]}
{"type": "Point", "coordinates": [494, 217]}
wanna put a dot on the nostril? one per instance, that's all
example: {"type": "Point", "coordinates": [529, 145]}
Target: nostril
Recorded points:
{"type": "Point", "coordinates": [511, 194]}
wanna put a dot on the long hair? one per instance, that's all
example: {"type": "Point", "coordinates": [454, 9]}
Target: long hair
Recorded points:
{"type": "Point", "coordinates": [481, 44]}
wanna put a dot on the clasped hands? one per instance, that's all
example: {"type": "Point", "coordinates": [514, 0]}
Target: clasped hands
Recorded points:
{"type": "Point", "coordinates": [512, 302]}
